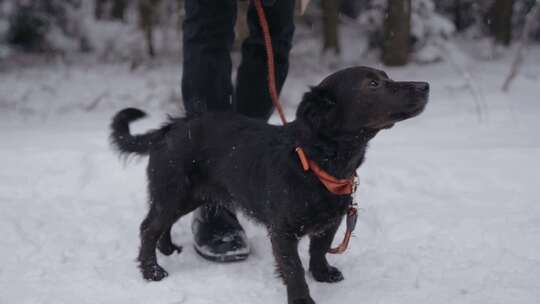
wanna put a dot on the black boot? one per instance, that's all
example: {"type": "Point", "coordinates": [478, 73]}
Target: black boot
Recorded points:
{"type": "Point", "coordinates": [218, 235]}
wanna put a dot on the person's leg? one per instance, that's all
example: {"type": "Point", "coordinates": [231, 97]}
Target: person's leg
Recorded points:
{"type": "Point", "coordinates": [208, 35]}
{"type": "Point", "coordinates": [252, 98]}
{"type": "Point", "coordinates": [206, 86]}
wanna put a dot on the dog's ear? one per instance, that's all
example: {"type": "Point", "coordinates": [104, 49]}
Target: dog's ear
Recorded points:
{"type": "Point", "coordinates": [317, 107]}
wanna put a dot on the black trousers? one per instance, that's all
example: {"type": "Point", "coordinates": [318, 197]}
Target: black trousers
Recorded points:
{"type": "Point", "coordinates": [208, 39]}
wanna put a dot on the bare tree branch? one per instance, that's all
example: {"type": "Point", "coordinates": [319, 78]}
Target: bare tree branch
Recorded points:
{"type": "Point", "coordinates": [532, 19]}
{"type": "Point", "coordinates": [479, 101]}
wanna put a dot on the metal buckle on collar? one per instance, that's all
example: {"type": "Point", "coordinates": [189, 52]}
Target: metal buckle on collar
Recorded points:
{"type": "Point", "coordinates": [355, 184]}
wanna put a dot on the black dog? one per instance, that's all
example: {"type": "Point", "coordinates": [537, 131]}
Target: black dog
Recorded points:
{"type": "Point", "coordinates": [229, 159]}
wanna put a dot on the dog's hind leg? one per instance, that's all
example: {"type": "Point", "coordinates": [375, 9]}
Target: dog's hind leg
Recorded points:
{"type": "Point", "coordinates": [167, 204]}
{"type": "Point", "coordinates": [165, 244]}
{"type": "Point", "coordinates": [152, 227]}
{"type": "Point", "coordinates": [318, 248]}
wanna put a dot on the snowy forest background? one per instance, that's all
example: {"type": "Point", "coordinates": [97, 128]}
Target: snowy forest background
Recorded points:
{"type": "Point", "coordinates": [449, 201]}
{"type": "Point", "coordinates": [133, 30]}
{"type": "Point", "coordinates": [129, 30]}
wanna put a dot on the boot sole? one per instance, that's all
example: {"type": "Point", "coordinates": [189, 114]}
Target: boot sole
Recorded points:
{"type": "Point", "coordinates": [230, 257]}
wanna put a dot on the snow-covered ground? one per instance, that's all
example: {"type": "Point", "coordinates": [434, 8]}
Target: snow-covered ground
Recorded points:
{"type": "Point", "coordinates": [450, 205]}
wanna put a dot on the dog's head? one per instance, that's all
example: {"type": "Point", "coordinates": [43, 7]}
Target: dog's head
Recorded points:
{"type": "Point", "coordinates": [361, 98]}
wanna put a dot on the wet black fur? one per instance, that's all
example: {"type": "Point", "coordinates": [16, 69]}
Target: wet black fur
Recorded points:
{"type": "Point", "coordinates": [230, 159]}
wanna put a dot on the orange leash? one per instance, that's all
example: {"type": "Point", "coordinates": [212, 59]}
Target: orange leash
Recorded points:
{"type": "Point", "coordinates": [334, 185]}
{"type": "Point", "coordinates": [272, 87]}
{"type": "Point", "coordinates": [269, 60]}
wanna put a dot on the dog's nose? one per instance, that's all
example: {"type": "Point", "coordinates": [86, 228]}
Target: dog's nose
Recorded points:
{"type": "Point", "coordinates": [422, 86]}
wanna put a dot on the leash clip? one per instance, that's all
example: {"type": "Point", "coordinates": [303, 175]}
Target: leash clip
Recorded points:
{"type": "Point", "coordinates": [352, 218]}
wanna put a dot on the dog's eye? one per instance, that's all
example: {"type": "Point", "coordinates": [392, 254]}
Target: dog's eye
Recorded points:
{"type": "Point", "coordinates": [373, 84]}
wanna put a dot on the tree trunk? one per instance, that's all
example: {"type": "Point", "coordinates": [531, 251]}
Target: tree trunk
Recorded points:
{"type": "Point", "coordinates": [118, 11]}
{"type": "Point", "coordinates": [99, 9]}
{"type": "Point", "coordinates": [350, 8]}
{"type": "Point", "coordinates": [330, 10]}
{"type": "Point", "coordinates": [397, 32]}
{"type": "Point", "coordinates": [147, 19]}
{"type": "Point", "coordinates": [457, 15]}
{"type": "Point", "coordinates": [501, 21]}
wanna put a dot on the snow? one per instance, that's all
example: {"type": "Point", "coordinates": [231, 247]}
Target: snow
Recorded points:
{"type": "Point", "coordinates": [450, 208]}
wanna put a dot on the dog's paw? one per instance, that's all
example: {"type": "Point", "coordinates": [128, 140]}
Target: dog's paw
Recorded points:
{"type": "Point", "coordinates": [302, 301]}
{"type": "Point", "coordinates": [153, 272]}
{"type": "Point", "coordinates": [328, 274]}
{"type": "Point", "coordinates": [168, 248]}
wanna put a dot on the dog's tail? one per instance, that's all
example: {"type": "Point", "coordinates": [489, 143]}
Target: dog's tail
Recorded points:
{"type": "Point", "coordinates": [122, 139]}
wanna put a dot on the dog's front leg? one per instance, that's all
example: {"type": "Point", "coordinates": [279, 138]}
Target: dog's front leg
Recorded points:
{"type": "Point", "coordinates": [318, 247]}
{"type": "Point", "coordinates": [289, 266]}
